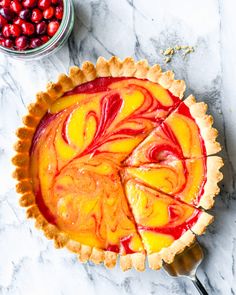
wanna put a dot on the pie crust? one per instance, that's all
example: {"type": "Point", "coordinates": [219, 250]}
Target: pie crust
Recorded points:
{"type": "Point", "coordinates": [77, 76]}
{"type": "Point", "coordinates": [204, 122]}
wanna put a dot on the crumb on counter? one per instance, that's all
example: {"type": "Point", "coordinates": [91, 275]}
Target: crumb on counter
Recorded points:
{"type": "Point", "coordinates": [169, 52]}
{"type": "Point", "coordinates": [167, 59]}
{"type": "Point", "coordinates": [177, 47]}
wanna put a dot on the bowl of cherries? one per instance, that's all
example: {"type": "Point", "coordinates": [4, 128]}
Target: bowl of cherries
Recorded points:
{"type": "Point", "coordinates": [31, 29]}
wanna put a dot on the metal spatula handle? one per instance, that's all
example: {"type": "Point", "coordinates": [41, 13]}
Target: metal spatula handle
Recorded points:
{"type": "Point", "coordinates": [199, 285]}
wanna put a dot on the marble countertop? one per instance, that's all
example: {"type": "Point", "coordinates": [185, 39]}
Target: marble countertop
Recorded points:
{"type": "Point", "coordinates": [29, 264]}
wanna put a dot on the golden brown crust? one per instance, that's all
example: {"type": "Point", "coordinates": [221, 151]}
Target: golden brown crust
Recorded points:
{"type": "Point", "coordinates": [25, 134]}
{"type": "Point", "coordinates": [115, 68]}
{"type": "Point", "coordinates": [24, 186]}
{"type": "Point", "coordinates": [65, 82]}
{"type": "Point", "coordinates": [43, 99]}
{"type": "Point", "coordinates": [85, 253]}
{"type": "Point", "coordinates": [155, 261]}
{"type": "Point", "coordinates": [135, 260]}
{"type": "Point", "coordinates": [21, 160]}
{"type": "Point", "coordinates": [177, 88]}
{"type": "Point", "coordinates": [142, 68]}
{"type": "Point", "coordinates": [50, 230]}
{"type": "Point", "coordinates": [37, 109]}
{"type": "Point", "coordinates": [27, 200]}
{"type": "Point", "coordinates": [31, 120]}
{"type": "Point", "coordinates": [178, 246]}
{"type": "Point", "coordinates": [110, 259]}
{"type": "Point", "coordinates": [21, 173]}
{"type": "Point", "coordinates": [204, 220]}
{"type": "Point", "coordinates": [61, 240]}
{"type": "Point", "coordinates": [125, 262]}
{"type": "Point", "coordinates": [77, 76]}
{"type": "Point", "coordinates": [138, 261]}
{"type": "Point", "coordinates": [211, 188]}
{"type": "Point", "coordinates": [102, 67]}
{"type": "Point", "coordinates": [40, 222]}
{"type": "Point", "coordinates": [166, 79]}
{"type": "Point", "coordinates": [205, 122]}
{"type": "Point", "coordinates": [22, 146]}
{"type": "Point", "coordinates": [54, 90]}
{"type": "Point", "coordinates": [73, 246]}
{"type": "Point", "coordinates": [89, 71]}
{"type": "Point", "coordinates": [128, 67]}
{"type": "Point", "coordinates": [154, 73]}
{"type": "Point", "coordinates": [97, 256]}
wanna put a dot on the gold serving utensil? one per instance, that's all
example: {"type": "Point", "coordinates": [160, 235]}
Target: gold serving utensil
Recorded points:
{"type": "Point", "coordinates": [186, 263]}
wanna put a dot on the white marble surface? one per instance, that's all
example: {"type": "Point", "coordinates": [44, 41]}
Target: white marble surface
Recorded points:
{"type": "Point", "coordinates": [29, 264]}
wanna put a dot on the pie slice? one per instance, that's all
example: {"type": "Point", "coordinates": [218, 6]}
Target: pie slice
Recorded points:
{"type": "Point", "coordinates": [194, 181]}
{"type": "Point", "coordinates": [186, 133]}
{"type": "Point", "coordinates": [71, 154]}
{"type": "Point", "coordinates": [166, 225]}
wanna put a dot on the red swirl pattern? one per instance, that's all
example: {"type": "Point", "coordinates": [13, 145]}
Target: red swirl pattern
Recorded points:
{"type": "Point", "coordinates": [77, 158]}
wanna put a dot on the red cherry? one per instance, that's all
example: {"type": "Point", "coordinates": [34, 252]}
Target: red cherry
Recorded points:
{"type": "Point", "coordinates": [2, 41]}
{"type": "Point", "coordinates": [57, 2]}
{"type": "Point", "coordinates": [44, 4]}
{"type": "Point", "coordinates": [59, 12]}
{"type": "Point", "coordinates": [35, 42]}
{"type": "Point", "coordinates": [36, 15]}
{"type": "Point", "coordinates": [45, 39]}
{"type": "Point", "coordinates": [8, 43]}
{"type": "Point", "coordinates": [5, 3]}
{"type": "Point", "coordinates": [18, 21]}
{"type": "Point", "coordinates": [22, 43]}
{"type": "Point", "coordinates": [52, 28]}
{"type": "Point", "coordinates": [28, 29]}
{"type": "Point", "coordinates": [6, 31]}
{"type": "Point", "coordinates": [25, 14]}
{"type": "Point", "coordinates": [3, 21]}
{"type": "Point", "coordinates": [7, 13]}
{"type": "Point", "coordinates": [48, 13]}
{"type": "Point", "coordinates": [41, 28]}
{"type": "Point", "coordinates": [29, 3]}
{"type": "Point", "coordinates": [15, 30]}
{"type": "Point", "coordinates": [16, 6]}
{"type": "Point", "coordinates": [21, 18]}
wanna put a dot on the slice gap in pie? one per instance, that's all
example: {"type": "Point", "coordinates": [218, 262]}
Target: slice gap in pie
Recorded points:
{"type": "Point", "coordinates": [166, 225]}
{"type": "Point", "coordinates": [194, 181]}
{"type": "Point", "coordinates": [186, 133]}
{"type": "Point", "coordinates": [72, 149]}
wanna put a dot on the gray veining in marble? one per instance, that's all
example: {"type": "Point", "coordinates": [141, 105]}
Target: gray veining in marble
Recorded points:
{"type": "Point", "coordinates": [29, 264]}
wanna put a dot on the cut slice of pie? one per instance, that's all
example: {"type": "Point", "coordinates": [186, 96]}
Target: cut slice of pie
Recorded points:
{"type": "Point", "coordinates": [166, 225]}
{"type": "Point", "coordinates": [186, 133]}
{"type": "Point", "coordinates": [194, 181]}
{"type": "Point", "coordinates": [72, 149]}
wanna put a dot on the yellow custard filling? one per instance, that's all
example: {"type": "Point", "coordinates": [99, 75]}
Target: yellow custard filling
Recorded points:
{"type": "Point", "coordinates": [183, 179]}
{"type": "Point", "coordinates": [78, 156]}
{"type": "Point", "coordinates": [160, 218]}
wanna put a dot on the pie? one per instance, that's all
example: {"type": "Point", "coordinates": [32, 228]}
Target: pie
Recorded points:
{"type": "Point", "coordinates": [110, 161]}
